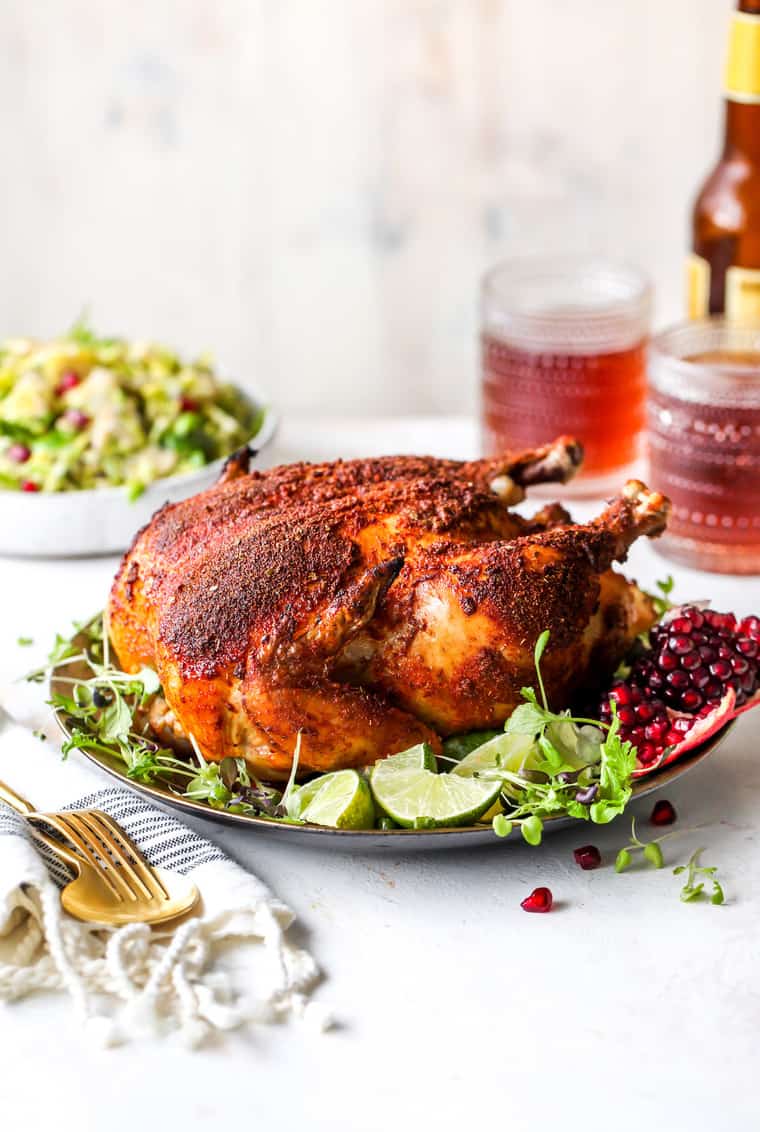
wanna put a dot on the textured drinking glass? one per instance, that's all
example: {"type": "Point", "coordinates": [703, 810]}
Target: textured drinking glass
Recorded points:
{"type": "Point", "coordinates": [564, 351]}
{"type": "Point", "coordinates": [703, 440]}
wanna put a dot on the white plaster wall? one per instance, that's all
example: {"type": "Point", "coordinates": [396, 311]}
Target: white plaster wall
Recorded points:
{"type": "Point", "coordinates": [313, 187]}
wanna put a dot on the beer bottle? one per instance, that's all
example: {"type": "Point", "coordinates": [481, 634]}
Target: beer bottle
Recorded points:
{"type": "Point", "coordinates": [724, 268]}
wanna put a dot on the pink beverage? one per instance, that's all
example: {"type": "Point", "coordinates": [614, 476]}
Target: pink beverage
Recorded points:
{"type": "Point", "coordinates": [704, 443]}
{"type": "Point", "coordinates": [564, 352]}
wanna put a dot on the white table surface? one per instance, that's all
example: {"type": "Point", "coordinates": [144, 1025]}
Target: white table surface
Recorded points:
{"type": "Point", "coordinates": [621, 1009]}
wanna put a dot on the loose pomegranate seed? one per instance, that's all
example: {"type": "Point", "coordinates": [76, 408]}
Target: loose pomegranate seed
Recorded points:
{"type": "Point", "coordinates": [540, 900]}
{"type": "Point", "coordinates": [19, 453]}
{"type": "Point", "coordinates": [588, 857]}
{"type": "Point", "coordinates": [68, 380]}
{"type": "Point", "coordinates": [188, 405]}
{"type": "Point", "coordinates": [663, 813]}
{"type": "Point", "coordinates": [30, 485]}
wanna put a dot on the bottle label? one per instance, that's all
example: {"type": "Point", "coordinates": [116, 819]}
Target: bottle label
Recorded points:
{"type": "Point", "coordinates": [697, 287]}
{"type": "Point", "coordinates": [743, 295]}
{"type": "Point", "coordinates": [742, 81]}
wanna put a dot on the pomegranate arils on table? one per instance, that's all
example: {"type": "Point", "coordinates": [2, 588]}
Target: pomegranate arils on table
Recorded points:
{"type": "Point", "coordinates": [701, 668]}
{"type": "Point", "coordinates": [663, 813]}
{"type": "Point", "coordinates": [540, 900]}
{"type": "Point", "coordinates": [588, 857]}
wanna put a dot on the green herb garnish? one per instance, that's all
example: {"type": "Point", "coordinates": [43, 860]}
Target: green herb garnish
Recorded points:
{"type": "Point", "coordinates": [694, 889]}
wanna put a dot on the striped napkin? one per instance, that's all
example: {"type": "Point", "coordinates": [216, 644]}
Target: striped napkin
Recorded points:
{"type": "Point", "coordinates": [132, 981]}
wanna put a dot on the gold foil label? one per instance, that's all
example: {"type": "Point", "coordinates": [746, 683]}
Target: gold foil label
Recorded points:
{"type": "Point", "coordinates": [697, 287]}
{"type": "Point", "coordinates": [742, 80]}
{"type": "Point", "coordinates": [743, 295]}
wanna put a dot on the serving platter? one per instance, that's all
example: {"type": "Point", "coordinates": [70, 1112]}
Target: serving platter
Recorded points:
{"type": "Point", "coordinates": [324, 837]}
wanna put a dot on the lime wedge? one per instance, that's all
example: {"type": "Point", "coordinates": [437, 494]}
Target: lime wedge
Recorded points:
{"type": "Point", "coordinates": [416, 797]}
{"type": "Point", "coordinates": [342, 800]}
{"type": "Point", "coordinates": [420, 756]}
{"type": "Point", "coordinates": [505, 752]}
{"type": "Point", "coordinates": [457, 746]}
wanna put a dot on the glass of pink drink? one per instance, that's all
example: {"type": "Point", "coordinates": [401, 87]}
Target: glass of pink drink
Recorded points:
{"type": "Point", "coordinates": [703, 441]}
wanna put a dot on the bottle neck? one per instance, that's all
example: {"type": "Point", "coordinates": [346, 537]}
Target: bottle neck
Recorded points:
{"type": "Point", "coordinates": [742, 133]}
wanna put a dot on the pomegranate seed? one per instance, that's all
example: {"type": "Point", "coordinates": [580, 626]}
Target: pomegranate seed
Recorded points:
{"type": "Point", "coordinates": [648, 753]}
{"type": "Point", "coordinates": [657, 730]}
{"type": "Point", "coordinates": [30, 485]}
{"type": "Point", "coordinates": [627, 716]}
{"type": "Point", "coordinates": [540, 900]}
{"type": "Point", "coordinates": [645, 712]}
{"type": "Point", "coordinates": [75, 418]}
{"type": "Point", "coordinates": [721, 669]}
{"type": "Point", "coordinates": [700, 677]}
{"type": "Point", "coordinates": [751, 626]}
{"type": "Point", "coordinates": [668, 662]}
{"type": "Point", "coordinates": [663, 813]}
{"type": "Point", "coordinates": [19, 453]}
{"type": "Point", "coordinates": [681, 625]}
{"type": "Point", "coordinates": [68, 380]}
{"type": "Point", "coordinates": [747, 647]}
{"type": "Point", "coordinates": [588, 857]}
{"type": "Point", "coordinates": [691, 700]}
{"type": "Point", "coordinates": [188, 405]}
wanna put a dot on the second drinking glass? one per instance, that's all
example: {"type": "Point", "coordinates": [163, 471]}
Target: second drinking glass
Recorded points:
{"type": "Point", "coordinates": [564, 351]}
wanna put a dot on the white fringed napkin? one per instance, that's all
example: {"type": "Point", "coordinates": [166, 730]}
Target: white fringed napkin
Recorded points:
{"type": "Point", "coordinates": [131, 981]}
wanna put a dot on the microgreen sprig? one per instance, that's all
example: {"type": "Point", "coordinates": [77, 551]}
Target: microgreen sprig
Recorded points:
{"type": "Point", "coordinates": [650, 850]}
{"type": "Point", "coordinates": [694, 889]}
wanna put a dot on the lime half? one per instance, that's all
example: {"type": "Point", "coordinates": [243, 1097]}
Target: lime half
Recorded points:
{"type": "Point", "coordinates": [342, 800]}
{"type": "Point", "coordinates": [416, 797]}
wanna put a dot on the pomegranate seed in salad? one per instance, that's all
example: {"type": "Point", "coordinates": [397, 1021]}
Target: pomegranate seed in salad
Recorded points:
{"type": "Point", "coordinates": [19, 453]}
{"type": "Point", "coordinates": [30, 485]}
{"type": "Point", "coordinates": [68, 380]}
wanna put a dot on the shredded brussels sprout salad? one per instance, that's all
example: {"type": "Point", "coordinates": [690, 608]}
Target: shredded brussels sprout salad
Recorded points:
{"type": "Point", "coordinates": [82, 411]}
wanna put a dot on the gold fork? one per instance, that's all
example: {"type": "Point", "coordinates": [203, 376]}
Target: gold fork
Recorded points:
{"type": "Point", "coordinates": [114, 883]}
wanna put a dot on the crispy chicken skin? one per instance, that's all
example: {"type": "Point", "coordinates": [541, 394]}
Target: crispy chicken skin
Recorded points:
{"type": "Point", "coordinates": [372, 604]}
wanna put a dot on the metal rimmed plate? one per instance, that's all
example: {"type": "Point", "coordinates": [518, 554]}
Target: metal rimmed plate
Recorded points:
{"type": "Point", "coordinates": [394, 840]}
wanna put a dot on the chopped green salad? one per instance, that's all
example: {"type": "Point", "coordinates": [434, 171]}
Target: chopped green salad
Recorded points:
{"type": "Point", "coordinates": [86, 412]}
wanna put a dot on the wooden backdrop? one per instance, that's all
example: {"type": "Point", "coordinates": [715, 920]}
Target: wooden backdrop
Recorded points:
{"type": "Point", "coordinates": [313, 187]}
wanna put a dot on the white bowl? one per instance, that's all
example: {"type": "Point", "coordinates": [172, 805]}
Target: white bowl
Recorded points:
{"type": "Point", "coordinates": [102, 520]}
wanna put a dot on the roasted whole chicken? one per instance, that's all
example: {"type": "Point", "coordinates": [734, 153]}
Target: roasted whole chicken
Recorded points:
{"type": "Point", "coordinates": [372, 604]}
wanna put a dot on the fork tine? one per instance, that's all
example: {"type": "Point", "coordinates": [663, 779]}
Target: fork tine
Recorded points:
{"type": "Point", "coordinates": [123, 853]}
{"type": "Point", "coordinates": [148, 876]}
{"type": "Point", "coordinates": [84, 853]}
{"type": "Point", "coordinates": [78, 832]}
